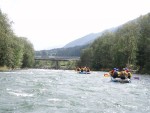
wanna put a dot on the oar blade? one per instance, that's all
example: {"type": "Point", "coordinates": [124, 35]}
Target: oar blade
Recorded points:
{"type": "Point", "coordinates": [136, 78]}
{"type": "Point", "coordinates": [106, 75]}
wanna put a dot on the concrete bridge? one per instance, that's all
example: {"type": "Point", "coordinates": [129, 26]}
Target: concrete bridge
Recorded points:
{"type": "Point", "coordinates": [56, 59]}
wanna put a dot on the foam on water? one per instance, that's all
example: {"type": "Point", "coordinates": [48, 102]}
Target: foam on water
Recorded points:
{"type": "Point", "coordinates": [21, 94]}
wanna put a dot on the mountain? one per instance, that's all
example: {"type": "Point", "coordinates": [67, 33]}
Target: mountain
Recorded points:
{"type": "Point", "coordinates": [88, 38]}
{"type": "Point", "coordinates": [73, 48]}
{"type": "Point", "coordinates": [83, 40]}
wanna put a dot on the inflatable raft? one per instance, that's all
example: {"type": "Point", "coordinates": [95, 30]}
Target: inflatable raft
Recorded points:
{"type": "Point", "coordinates": [84, 72]}
{"type": "Point", "coordinates": [127, 80]}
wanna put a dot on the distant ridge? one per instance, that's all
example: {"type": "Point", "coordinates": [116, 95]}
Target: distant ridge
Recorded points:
{"type": "Point", "coordinates": [83, 40]}
{"type": "Point", "coordinates": [88, 38]}
{"type": "Point", "coordinates": [74, 48]}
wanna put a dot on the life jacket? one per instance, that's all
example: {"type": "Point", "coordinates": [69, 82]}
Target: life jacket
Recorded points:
{"type": "Point", "coordinates": [129, 74]}
{"type": "Point", "coordinates": [119, 73]}
{"type": "Point", "coordinates": [82, 69]}
{"type": "Point", "coordinates": [88, 70]}
{"type": "Point", "coordinates": [78, 69]}
{"type": "Point", "coordinates": [111, 72]}
{"type": "Point", "coordinates": [125, 73]}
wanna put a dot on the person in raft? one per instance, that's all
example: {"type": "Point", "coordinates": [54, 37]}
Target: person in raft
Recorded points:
{"type": "Point", "coordinates": [125, 73]}
{"type": "Point", "coordinates": [114, 73]}
{"type": "Point", "coordinates": [128, 73]}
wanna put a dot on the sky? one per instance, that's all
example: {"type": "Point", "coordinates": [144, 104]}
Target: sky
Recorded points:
{"type": "Point", "coordinates": [53, 23]}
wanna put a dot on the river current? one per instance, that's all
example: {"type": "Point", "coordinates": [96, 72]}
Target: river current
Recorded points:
{"type": "Point", "coordinates": [65, 91]}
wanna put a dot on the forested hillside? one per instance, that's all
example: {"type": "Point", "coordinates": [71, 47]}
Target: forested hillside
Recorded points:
{"type": "Point", "coordinates": [128, 46]}
{"type": "Point", "coordinates": [69, 52]}
{"type": "Point", "coordinates": [15, 52]}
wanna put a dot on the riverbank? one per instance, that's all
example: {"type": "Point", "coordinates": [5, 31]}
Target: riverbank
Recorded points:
{"type": "Point", "coordinates": [4, 68]}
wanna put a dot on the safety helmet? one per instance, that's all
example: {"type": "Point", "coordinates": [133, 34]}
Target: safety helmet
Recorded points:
{"type": "Point", "coordinates": [114, 68]}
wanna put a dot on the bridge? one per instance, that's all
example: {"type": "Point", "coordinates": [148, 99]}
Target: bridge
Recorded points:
{"type": "Point", "coordinates": [56, 59]}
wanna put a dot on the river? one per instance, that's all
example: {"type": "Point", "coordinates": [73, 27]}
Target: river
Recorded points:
{"type": "Point", "coordinates": [65, 91]}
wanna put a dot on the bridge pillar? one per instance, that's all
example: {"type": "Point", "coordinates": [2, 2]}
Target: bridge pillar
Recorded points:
{"type": "Point", "coordinates": [57, 64]}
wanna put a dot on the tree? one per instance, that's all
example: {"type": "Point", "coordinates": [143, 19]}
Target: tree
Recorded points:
{"type": "Point", "coordinates": [129, 45]}
{"type": "Point", "coordinates": [86, 58]}
{"type": "Point", "coordinates": [143, 53]}
{"type": "Point", "coordinates": [13, 49]}
{"type": "Point", "coordinates": [6, 54]}
{"type": "Point", "coordinates": [28, 53]}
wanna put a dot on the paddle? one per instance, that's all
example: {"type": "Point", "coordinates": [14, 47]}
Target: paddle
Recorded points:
{"type": "Point", "coordinates": [137, 78]}
{"type": "Point", "coordinates": [106, 75]}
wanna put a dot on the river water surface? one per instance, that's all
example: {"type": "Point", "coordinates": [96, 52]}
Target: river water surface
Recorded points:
{"type": "Point", "coordinates": [65, 91]}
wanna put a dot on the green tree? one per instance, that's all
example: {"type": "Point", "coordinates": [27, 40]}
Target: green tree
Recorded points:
{"type": "Point", "coordinates": [143, 53]}
{"type": "Point", "coordinates": [6, 54]}
{"type": "Point", "coordinates": [14, 51]}
{"type": "Point", "coordinates": [86, 58]}
{"type": "Point", "coordinates": [28, 53]}
{"type": "Point", "coordinates": [129, 45]}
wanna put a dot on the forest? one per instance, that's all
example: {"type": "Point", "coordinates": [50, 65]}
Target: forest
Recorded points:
{"type": "Point", "coordinates": [63, 52]}
{"type": "Point", "coordinates": [128, 46]}
{"type": "Point", "coordinates": [15, 52]}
